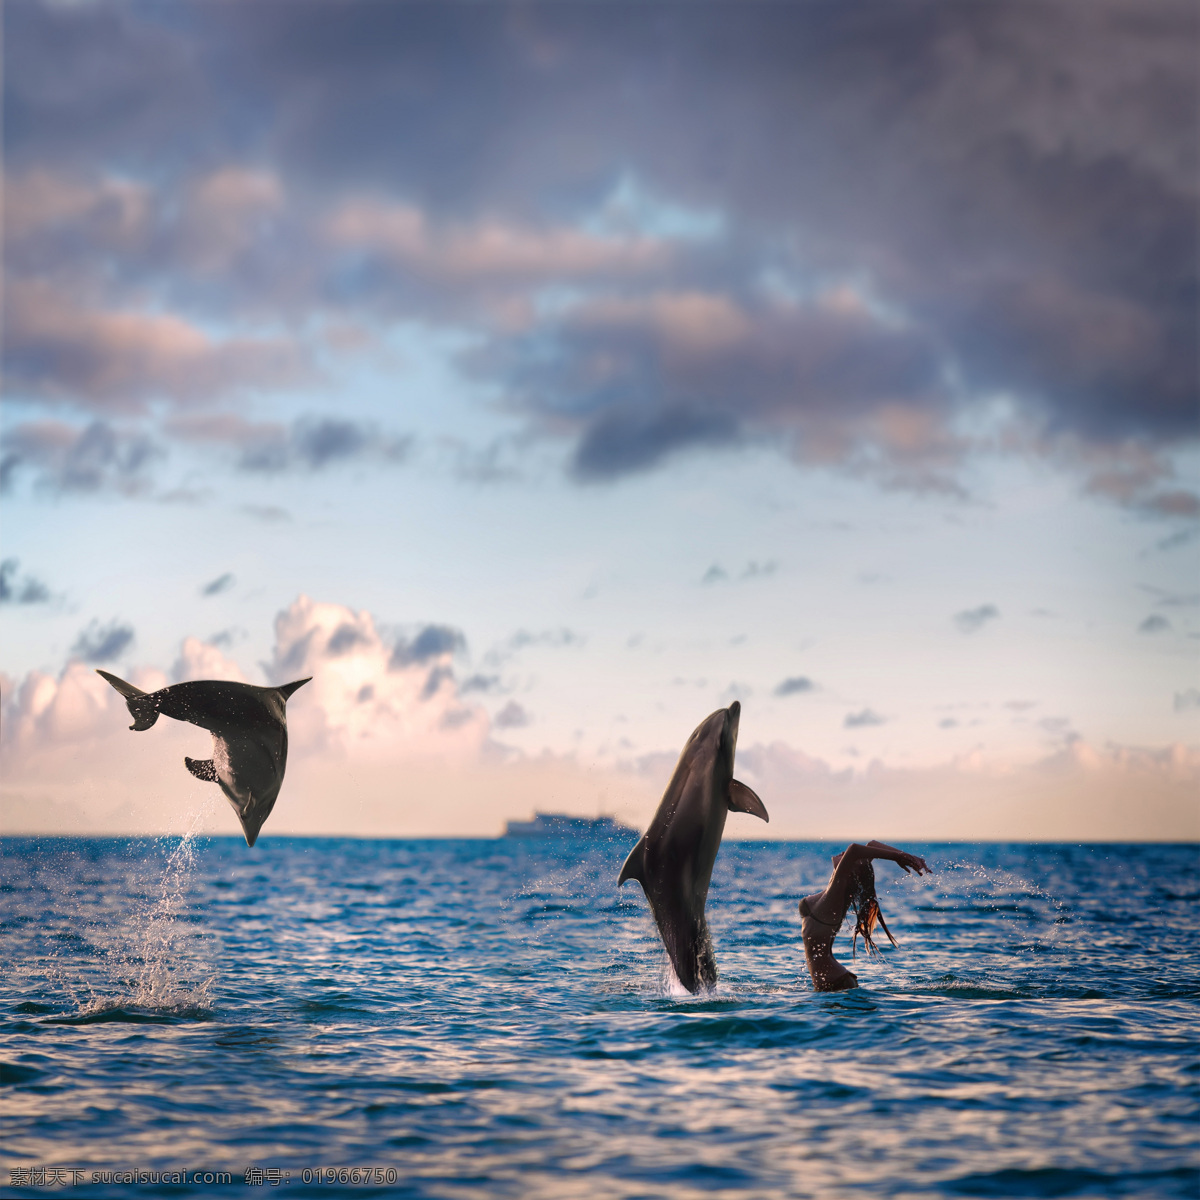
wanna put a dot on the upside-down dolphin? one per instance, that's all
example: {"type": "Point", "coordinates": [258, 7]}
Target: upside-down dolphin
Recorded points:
{"type": "Point", "coordinates": [249, 728]}
{"type": "Point", "coordinates": [674, 859]}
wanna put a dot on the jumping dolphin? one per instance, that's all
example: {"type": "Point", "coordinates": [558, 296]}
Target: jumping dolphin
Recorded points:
{"type": "Point", "coordinates": [249, 728]}
{"type": "Point", "coordinates": [674, 860]}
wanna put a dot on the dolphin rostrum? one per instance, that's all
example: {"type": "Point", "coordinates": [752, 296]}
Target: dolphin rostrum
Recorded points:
{"type": "Point", "coordinates": [249, 728]}
{"type": "Point", "coordinates": [674, 859]}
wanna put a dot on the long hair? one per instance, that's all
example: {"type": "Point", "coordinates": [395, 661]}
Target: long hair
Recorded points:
{"type": "Point", "coordinates": [866, 909]}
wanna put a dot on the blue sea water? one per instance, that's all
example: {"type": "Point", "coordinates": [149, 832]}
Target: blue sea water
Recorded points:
{"type": "Point", "coordinates": [495, 1018]}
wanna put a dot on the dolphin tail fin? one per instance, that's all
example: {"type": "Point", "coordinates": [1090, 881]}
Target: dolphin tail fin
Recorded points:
{"type": "Point", "coordinates": [743, 799]}
{"type": "Point", "coordinates": [288, 688]}
{"type": "Point", "coordinates": [635, 865]}
{"type": "Point", "coordinates": [141, 707]}
{"type": "Point", "coordinates": [202, 768]}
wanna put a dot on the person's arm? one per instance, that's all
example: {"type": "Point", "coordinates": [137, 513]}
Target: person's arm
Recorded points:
{"type": "Point", "coordinates": [835, 900]}
{"type": "Point", "coordinates": [910, 862]}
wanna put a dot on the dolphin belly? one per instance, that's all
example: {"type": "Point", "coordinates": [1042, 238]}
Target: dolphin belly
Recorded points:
{"type": "Point", "coordinates": [249, 771]}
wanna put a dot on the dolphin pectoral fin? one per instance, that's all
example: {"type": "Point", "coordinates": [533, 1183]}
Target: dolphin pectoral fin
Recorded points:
{"type": "Point", "coordinates": [141, 707]}
{"type": "Point", "coordinates": [742, 799]}
{"type": "Point", "coordinates": [202, 768]}
{"type": "Point", "coordinates": [635, 865]}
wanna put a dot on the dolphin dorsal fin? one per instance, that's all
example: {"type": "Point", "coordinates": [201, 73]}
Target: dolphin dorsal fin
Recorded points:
{"type": "Point", "coordinates": [635, 865]}
{"type": "Point", "coordinates": [743, 799]}
{"type": "Point", "coordinates": [288, 688]}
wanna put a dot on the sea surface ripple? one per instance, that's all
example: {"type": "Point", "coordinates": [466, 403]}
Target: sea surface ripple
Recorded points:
{"type": "Point", "coordinates": [496, 1018]}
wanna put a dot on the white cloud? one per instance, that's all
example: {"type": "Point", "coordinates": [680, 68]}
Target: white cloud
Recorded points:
{"type": "Point", "coordinates": [387, 745]}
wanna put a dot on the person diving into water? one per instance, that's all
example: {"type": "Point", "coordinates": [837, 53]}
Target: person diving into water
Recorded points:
{"type": "Point", "coordinates": [852, 885]}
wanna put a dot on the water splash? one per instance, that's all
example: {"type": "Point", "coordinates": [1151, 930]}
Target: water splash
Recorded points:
{"type": "Point", "coordinates": [151, 960]}
{"type": "Point", "coordinates": [163, 943]}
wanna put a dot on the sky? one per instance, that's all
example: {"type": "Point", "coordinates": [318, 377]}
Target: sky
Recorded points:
{"type": "Point", "coordinates": [541, 377]}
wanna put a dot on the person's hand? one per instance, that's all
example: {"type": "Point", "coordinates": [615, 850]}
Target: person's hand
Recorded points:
{"type": "Point", "coordinates": [912, 862]}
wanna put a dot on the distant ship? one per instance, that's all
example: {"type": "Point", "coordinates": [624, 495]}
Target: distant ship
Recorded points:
{"type": "Point", "coordinates": [560, 825]}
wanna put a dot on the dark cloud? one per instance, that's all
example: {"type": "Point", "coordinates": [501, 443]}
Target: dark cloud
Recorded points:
{"type": "Point", "coordinates": [16, 589]}
{"type": "Point", "coordinates": [555, 638]}
{"type": "Point", "coordinates": [913, 207]}
{"type": "Point", "coordinates": [1167, 599]}
{"type": "Point", "coordinates": [222, 583]}
{"type": "Point", "coordinates": [1187, 700]}
{"type": "Point", "coordinates": [431, 642]}
{"type": "Point", "coordinates": [345, 638]}
{"type": "Point", "coordinates": [511, 716]}
{"type": "Point", "coordinates": [1155, 623]}
{"type": "Point", "coordinates": [621, 442]}
{"type": "Point", "coordinates": [752, 570]}
{"type": "Point", "coordinates": [102, 643]}
{"type": "Point", "coordinates": [318, 443]}
{"type": "Point", "coordinates": [434, 680]}
{"type": "Point", "coordinates": [70, 458]}
{"type": "Point", "coordinates": [270, 513]}
{"type": "Point", "coordinates": [1058, 728]}
{"type": "Point", "coordinates": [480, 683]}
{"type": "Point", "coordinates": [862, 720]}
{"type": "Point", "coordinates": [758, 570]}
{"type": "Point", "coordinates": [794, 685]}
{"type": "Point", "coordinates": [971, 620]}
{"type": "Point", "coordinates": [309, 443]}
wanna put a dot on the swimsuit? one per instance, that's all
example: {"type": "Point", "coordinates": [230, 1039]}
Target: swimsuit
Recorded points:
{"type": "Point", "coordinates": [813, 928]}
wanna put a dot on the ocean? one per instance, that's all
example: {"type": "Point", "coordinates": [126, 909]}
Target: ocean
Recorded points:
{"type": "Point", "coordinates": [336, 1017]}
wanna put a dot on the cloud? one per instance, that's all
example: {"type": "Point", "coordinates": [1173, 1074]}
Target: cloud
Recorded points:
{"type": "Point", "coordinates": [204, 660]}
{"type": "Point", "coordinates": [1173, 599]}
{"type": "Point", "coordinates": [511, 716]}
{"type": "Point", "coordinates": [752, 570]}
{"type": "Point", "coordinates": [971, 620]}
{"type": "Point", "coordinates": [269, 513]}
{"type": "Point", "coordinates": [70, 458]}
{"type": "Point", "coordinates": [1058, 729]}
{"type": "Point", "coordinates": [433, 641]}
{"type": "Point", "coordinates": [620, 442]}
{"type": "Point", "coordinates": [794, 685]}
{"type": "Point", "coordinates": [1155, 623]}
{"type": "Point", "coordinates": [863, 719]}
{"type": "Point", "coordinates": [309, 443]}
{"type": "Point", "coordinates": [222, 583]}
{"type": "Point", "coordinates": [23, 590]}
{"type": "Point", "coordinates": [480, 683]}
{"type": "Point", "coordinates": [757, 570]}
{"type": "Point", "coordinates": [857, 294]}
{"type": "Point", "coordinates": [1077, 791]}
{"type": "Point", "coordinates": [103, 643]}
{"type": "Point", "coordinates": [1188, 700]}
{"type": "Point", "coordinates": [523, 639]}
{"type": "Point", "coordinates": [367, 699]}
{"type": "Point", "coordinates": [402, 238]}
{"type": "Point", "coordinates": [118, 361]}
{"type": "Point", "coordinates": [382, 742]}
